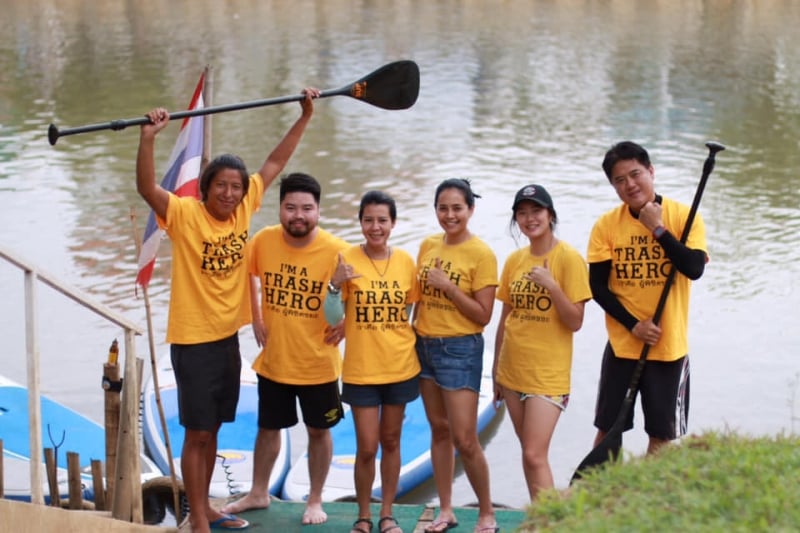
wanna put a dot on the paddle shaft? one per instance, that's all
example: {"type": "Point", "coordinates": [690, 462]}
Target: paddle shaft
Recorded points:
{"type": "Point", "coordinates": [54, 133]}
{"type": "Point", "coordinates": [613, 438]}
{"type": "Point", "coordinates": [393, 86]}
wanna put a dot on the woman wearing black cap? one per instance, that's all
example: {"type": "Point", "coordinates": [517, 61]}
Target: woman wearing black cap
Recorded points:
{"type": "Point", "coordinates": [543, 287]}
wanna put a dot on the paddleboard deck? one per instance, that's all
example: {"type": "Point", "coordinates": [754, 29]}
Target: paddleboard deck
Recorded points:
{"type": "Point", "coordinates": [415, 468]}
{"type": "Point", "coordinates": [63, 429]}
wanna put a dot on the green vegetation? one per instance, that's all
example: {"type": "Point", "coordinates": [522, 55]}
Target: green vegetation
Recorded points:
{"type": "Point", "coordinates": [710, 482]}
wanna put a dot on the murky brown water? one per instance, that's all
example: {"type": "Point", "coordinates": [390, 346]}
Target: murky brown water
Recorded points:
{"type": "Point", "coordinates": [512, 92]}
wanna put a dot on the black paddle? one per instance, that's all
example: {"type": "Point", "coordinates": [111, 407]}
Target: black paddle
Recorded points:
{"type": "Point", "coordinates": [612, 442]}
{"type": "Point", "coordinates": [393, 86]}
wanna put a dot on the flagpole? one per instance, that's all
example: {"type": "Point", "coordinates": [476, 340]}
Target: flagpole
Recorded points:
{"type": "Point", "coordinates": [208, 89]}
{"type": "Point", "coordinates": [154, 376]}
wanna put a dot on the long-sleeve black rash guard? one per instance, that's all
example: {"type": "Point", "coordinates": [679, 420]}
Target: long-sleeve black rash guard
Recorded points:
{"type": "Point", "coordinates": [689, 262]}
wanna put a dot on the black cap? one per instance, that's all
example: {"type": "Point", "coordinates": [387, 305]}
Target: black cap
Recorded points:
{"type": "Point", "coordinates": [533, 193]}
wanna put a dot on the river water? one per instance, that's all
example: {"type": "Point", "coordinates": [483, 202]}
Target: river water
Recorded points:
{"type": "Point", "coordinates": [512, 92]}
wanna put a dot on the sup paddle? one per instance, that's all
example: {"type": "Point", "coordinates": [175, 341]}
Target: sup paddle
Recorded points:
{"type": "Point", "coordinates": [612, 442]}
{"type": "Point", "coordinates": [392, 86]}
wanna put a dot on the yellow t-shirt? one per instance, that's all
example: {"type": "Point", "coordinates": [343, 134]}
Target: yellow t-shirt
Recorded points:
{"type": "Point", "coordinates": [639, 269]}
{"type": "Point", "coordinates": [379, 345]}
{"type": "Point", "coordinates": [208, 299]}
{"type": "Point", "coordinates": [294, 283]}
{"type": "Point", "coordinates": [536, 352]}
{"type": "Point", "coordinates": [471, 265]}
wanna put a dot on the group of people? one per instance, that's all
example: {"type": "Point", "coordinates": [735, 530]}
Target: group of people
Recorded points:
{"type": "Point", "coordinates": [412, 326]}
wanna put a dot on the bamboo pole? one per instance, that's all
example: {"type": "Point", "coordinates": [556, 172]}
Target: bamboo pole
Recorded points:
{"type": "Point", "coordinates": [51, 467]}
{"type": "Point", "coordinates": [74, 480]}
{"type": "Point", "coordinates": [127, 503]}
{"type": "Point", "coordinates": [97, 485]}
{"type": "Point", "coordinates": [156, 388]}
{"type": "Point", "coordinates": [111, 402]}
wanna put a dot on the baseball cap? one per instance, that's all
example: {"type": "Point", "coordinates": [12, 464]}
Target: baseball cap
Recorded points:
{"type": "Point", "coordinates": [533, 193]}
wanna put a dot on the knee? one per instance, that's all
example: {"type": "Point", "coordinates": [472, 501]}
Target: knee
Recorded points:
{"type": "Point", "coordinates": [366, 454]}
{"type": "Point", "coordinates": [440, 429]}
{"type": "Point", "coordinates": [467, 445]}
{"type": "Point", "coordinates": [534, 458]}
{"type": "Point", "coordinates": [318, 435]}
{"type": "Point", "coordinates": [390, 441]}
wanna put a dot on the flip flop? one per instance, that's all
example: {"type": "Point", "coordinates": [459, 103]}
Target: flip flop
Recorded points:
{"type": "Point", "coordinates": [357, 525]}
{"type": "Point", "coordinates": [220, 523]}
{"type": "Point", "coordinates": [393, 525]}
{"type": "Point", "coordinates": [436, 526]}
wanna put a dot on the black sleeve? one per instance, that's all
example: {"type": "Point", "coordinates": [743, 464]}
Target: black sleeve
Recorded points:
{"type": "Point", "coordinates": [689, 262]}
{"type": "Point", "coordinates": [598, 281]}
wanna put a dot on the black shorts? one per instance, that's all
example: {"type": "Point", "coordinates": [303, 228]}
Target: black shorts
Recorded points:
{"type": "Point", "coordinates": [207, 376]}
{"type": "Point", "coordinates": [664, 388]}
{"type": "Point", "coordinates": [277, 404]}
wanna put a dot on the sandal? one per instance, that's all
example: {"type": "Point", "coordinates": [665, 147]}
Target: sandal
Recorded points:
{"type": "Point", "coordinates": [359, 529]}
{"type": "Point", "coordinates": [394, 525]}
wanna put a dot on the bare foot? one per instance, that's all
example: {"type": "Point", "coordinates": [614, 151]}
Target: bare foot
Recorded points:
{"type": "Point", "coordinates": [250, 501]}
{"type": "Point", "coordinates": [314, 514]}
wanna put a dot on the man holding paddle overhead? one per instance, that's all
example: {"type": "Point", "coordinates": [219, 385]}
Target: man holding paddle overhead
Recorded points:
{"type": "Point", "coordinates": [209, 295]}
{"type": "Point", "coordinates": [632, 249]}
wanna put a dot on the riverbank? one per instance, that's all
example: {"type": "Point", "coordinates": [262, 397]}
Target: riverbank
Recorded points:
{"type": "Point", "coordinates": [710, 482]}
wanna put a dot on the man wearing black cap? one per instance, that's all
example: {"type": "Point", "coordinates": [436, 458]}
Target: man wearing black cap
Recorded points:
{"type": "Point", "coordinates": [630, 252]}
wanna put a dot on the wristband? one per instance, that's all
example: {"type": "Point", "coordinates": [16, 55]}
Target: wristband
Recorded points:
{"type": "Point", "coordinates": [332, 288]}
{"type": "Point", "coordinates": [659, 232]}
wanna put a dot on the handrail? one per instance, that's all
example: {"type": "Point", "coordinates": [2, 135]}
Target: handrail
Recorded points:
{"type": "Point", "coordinates": [74, 294]}
{"type": "Point", "coordinates": [133, 504]}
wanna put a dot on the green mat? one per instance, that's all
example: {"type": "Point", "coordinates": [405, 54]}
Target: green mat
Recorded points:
{"type": "Point", "coordinates": [286, 517]}
{"type": "Point", "coordinates": [508, 520]}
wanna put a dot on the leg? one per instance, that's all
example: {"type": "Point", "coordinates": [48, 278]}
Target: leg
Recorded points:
{"type": "Point", "coordinates": [265, 452]}
{"type": "Point", "coordinates": [534, 421]}
{"type": "Point", "coordinates": [462, 413]}
{"type": "Point", "coordinates": [367, 435]}
{"type": "Point", "coordinates": [320, 452]}
{"type": "Point", "coordinates": [441, 449]}
{"type": "Point", "coordinates": [665, 401]}
{"type": "Point", "coordinates": [194, 466]}
{"type": "Point", "coordinates": [654, 445]}
{"type": "Point", "coordinates": [391, 424]}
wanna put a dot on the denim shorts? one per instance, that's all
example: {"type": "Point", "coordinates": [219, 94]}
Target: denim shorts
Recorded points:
{"type": "Point", "coordinates": [385, 394]}
{"type": "Point", "coordinates": [452, 362]}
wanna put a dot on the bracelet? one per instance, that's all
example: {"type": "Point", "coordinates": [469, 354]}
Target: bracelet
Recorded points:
{"type": "Point", "coordinates": [332, 288]}
{"type": "Point", "coordinates": [659, 232]}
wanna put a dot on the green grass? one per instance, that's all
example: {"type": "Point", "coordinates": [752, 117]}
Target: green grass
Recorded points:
{"type": "Point", "coordinates": [710, 482]}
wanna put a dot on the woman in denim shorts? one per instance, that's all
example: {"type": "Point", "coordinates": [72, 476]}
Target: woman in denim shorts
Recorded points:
{"type": "Point", "coordinates": [458, 278]}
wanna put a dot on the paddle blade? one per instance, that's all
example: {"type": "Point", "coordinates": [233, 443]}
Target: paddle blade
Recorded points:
{"type": "Point", "coordinates": [606, 449]}
{"type": "Point", "coordinates": [393, 86]}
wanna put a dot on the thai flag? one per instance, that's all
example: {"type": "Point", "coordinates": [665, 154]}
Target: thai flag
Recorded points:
{"type": "Point", "coordinates": [181, 178]}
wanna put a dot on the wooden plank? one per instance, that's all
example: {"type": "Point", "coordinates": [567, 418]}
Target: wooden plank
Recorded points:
{"type": "Point", "coordinates": [22, 516]}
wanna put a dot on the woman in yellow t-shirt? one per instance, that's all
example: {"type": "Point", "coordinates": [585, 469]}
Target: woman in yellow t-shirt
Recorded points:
{"type": "Point", "coordinates": [544, 287]}
{"type": "Point", "coordinates": [378, 285]}
{"type": "Point", "coordinates": [458, 277]}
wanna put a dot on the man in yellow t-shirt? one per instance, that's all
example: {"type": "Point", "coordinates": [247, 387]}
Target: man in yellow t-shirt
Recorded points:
{"type": "Point", "coordinates": [631, 250]}
{"type": "Point", "coordinates": [290, 265]}
{"type": "Point", "coordinates": [208, 297]}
